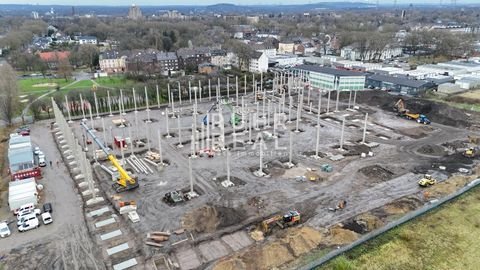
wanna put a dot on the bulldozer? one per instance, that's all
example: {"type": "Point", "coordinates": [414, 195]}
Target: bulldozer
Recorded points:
{"type": "Point", "coordinates": [427, 180]}
{"type": "Point", "coordinates": [290, 218]}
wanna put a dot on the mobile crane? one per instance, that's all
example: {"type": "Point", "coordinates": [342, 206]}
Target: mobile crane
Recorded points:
{"type": "Point", "coordinates": [125, 181]}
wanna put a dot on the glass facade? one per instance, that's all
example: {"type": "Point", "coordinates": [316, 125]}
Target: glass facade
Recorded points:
{"type": "Point", "coordinates": [328, 81]}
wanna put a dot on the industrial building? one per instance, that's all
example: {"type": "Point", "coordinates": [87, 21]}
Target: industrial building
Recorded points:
{"type": "Point", "coordinates": [332, 79]}
{"type": "Point", "coordinates": [402, 85]}
{"type": "Point", "coordinates": [21, 159]}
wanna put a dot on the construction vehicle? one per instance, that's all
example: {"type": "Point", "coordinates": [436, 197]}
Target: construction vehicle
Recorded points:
{"type": "Point", "coordinates": [340, 206]}
{"type": "Point", "coordinates": [235, 118]}
{"type": "Point", "coordinates": [470, 152]}
{"type": "Point", "coordinates": [326, 168]}
{"type": "Point", "coordinates": [174, 197]}
{"type": "Point", "coordinates": [404, 112]}
{"type": "Point", "coordinates": [125, 181]}
{"type": "Point", "coordinates": [290, 218]}
{"type": "Point", "coordinates": [259, 96]}
{"type": "Point", "coordinates": [205, 119]}
{"type": "Point", "coordinates": [427, 180]}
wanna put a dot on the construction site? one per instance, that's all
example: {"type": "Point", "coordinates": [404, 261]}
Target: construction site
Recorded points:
{"type": "Point", "coordinates": [257, 180]}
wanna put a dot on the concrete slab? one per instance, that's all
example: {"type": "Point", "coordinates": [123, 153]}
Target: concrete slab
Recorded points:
{"type": "Point", "coordinates": [116, 249]}
{"type": "Point", "coordinates": [98, 212]}
{"type": "Point", "coordinates": [110, 235]}
{"type": "Point", "coordinates": [187, 258]}
{"type": "Point", "coordinates": [213, 250]}
{"type": "Point", "coordinates": [237, 240]}
{"type": "Point", "coordinates": [125, 264]}
{"type": "Point", "coordinates": [105, 222]}
{"type": "Point", "coordinates": [88, 192]}
{"type": "Point", "coordinates": [94, 201]}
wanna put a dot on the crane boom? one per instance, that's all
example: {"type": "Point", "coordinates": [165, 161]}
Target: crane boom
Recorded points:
{"type": "Point", "coordinates": [125, 181]}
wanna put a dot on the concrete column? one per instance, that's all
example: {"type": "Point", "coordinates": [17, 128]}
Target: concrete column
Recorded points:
{"type": "Point", "coordinates": [365, 128]}
{"type": "Point", "coordinates": [338, 98]}
{"type": "Point", "coordinates": [341, 135]}
{"type": "Point", "coordinates": [109, 103]}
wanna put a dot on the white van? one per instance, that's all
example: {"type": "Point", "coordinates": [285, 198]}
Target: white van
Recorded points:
{"type": "Point", "coordinates": [42, 162]}
{"type": "Point", "coordinates": [26, 218]}
{"type": "Point", "coordinates": [29, 224]}
{"type": "Point", "coordinates": [23, 208]}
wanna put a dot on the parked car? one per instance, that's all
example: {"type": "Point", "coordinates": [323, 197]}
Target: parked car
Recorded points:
{"type": "Point", "coordinates": [29, 224]}
{"type": "Point", "coordinates": [26, 218]}
{"type": "Point", "coordinates": [42, 162]}
{"type": "Point", "coordinates": [47, 218]}
{"type": "Point", "coordinates": [47, 207]}
{"type": "Point", "coordinates": [24, 207]}
{"type": "Point", "coordinates": [28, 211]}
{"type": "Point", "coordinates": [23, 130]}
{"type": "Point", "coordinates": [36, 150]}
{"type": "Point", "coordinates": [4, 230]}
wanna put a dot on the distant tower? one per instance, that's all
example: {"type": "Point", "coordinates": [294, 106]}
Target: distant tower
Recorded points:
{"type": "Point", "coordinates": [404, 14]}
{"type": "Point", "coordinates": [134, 13]}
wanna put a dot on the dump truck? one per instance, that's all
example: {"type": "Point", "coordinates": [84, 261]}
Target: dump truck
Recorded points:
{"type": "Point", "coordinates": [427, 180]}
{"type": "Point", "coordinates": [290, 218]}
{"type": "Point", "coordinates": [402, 111]}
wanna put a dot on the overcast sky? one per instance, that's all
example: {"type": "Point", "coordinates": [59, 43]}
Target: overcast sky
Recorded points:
{"type": "Point", "coordinates": [209, 2]}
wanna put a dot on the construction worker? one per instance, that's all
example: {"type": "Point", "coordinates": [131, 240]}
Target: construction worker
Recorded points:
{"type": "Point", "coordinates": [51, 163]}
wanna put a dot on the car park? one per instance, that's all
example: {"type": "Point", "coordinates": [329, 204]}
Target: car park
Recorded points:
{"type": "Point", "coordinates": [47, 218]}
{"type": "Point", "coordinates": [4, 230]}
{"type": "Point", "coordinates": [47, 207]}
{"type": "Point", "coordinates": [29, 224]}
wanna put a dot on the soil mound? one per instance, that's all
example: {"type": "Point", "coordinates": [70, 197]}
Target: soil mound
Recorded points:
{"type": "Point", "coordinates": [402, 206]}
{"type": "Point", "coordinates": [339, 236]}
{"type": "Point", "coordinates": [302, 240]}
{"type": "Point", "coordinates": [431, 150]}
{"type": "Point", "coordinates": [210, 218]}
{"type": "Point", "coordinates": [230, 264]}
{"type": "Point", "coordinates": [376, 173]}
{"type": "Point", "coordinates": [364, 223]}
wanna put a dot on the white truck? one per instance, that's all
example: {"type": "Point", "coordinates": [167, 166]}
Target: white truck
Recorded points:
{"type": "Point", "coordinates": [22, 192]}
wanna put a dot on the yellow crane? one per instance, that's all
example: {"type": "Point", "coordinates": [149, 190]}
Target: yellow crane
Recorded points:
{"type": "Point", "coordinates": [125, 181]}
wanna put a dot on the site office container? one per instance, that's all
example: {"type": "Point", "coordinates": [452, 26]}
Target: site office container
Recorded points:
{"type": "Point", "coordinates": [22, 192]}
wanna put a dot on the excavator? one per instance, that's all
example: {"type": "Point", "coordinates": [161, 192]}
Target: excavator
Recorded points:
{"type": "Point", "coordinates": [290, 218]}
{"type": "Point", "coordinates": [125, 181]}
{"type": "Point", "coordinates": [404, 112]}
{"type": "Point", "coordinates": [235, 119]}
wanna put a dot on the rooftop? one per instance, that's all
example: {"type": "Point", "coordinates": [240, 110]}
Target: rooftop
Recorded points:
{"type": "Point", "coordinates": [399, 80]}
{"type": "Point", "coordinates": [327, 70]}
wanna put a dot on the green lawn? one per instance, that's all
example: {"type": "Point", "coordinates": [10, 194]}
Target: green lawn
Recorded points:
{"type": "Point", "coordinates": [114, 82]}
{"type": "Point", "coordinates": [447, 238]}
{"type": "Point", "coordinates": [40, 84]}
{"type": "Point", "coordinates": [84, 84]}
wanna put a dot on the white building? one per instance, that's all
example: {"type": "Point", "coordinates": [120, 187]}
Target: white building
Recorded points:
{"type": "Point", "coordinates": [286, 60]}
{"type": "Point", "coordinates": [87, 40]}
{"type": "Point", "coordinates": [258, 63]}
{"type": "Point", "coordinates": [352, 53]}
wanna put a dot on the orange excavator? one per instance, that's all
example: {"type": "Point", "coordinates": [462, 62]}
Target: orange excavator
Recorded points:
{"type": "Point", "coordinates": [290, 218]}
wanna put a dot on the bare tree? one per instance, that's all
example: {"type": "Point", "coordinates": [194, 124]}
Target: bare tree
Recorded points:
{"type": "Point", "coordinates": [8, 93]}
{"type": "Point", "coordinates": [64, 69]}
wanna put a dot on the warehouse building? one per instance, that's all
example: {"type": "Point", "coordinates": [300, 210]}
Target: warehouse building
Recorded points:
{"type": "Point", "coordinates": [326, 78]}
{"type": "Point", "coordinates": [402, 85]}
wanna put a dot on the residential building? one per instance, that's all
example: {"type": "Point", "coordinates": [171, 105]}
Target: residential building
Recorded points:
{"type": "Point", "coordinates": [242, 31]}
{"type": "Point", "coordinates": [258, 62]}
{"type": "Point", "coordinates": [112, 61]}
{"type": "Point", "coordinates": [52, 59]}
{"type": "Point", "coordinates": [286, 48]}
{"type": "Point", "coordinates": [134, 13]}
{"type": "Point", "coordinates": [207, 68]}
{"type": "Point", "coordinates": [167, 61]}
{"type": "Point", "coordinates": [142, 61]}
{"type": "Point", "coordinates": [402, 85]}
{"type": "Point", "coordinates": [326, 78]}
{"type": "Point", "coordinates": [285, 60]}
{"type": "Point", "coordinates": [190, 58]}
{"type": "Point", "coordinates": [42, 42]}
{"type": "Point", "coordinates": [87, 40]}
{"type": "Point", "coordinates": [268, 50]}
{"type": "Point", "coordinates": [223, 59]}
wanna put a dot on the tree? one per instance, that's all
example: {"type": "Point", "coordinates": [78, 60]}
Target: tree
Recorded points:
{"type": "Point", "coordinates": [8, 93]}
{"type": "Point", "coordinates": [64, 69]}
{"type": "Point", "coordinates": [89, 54]}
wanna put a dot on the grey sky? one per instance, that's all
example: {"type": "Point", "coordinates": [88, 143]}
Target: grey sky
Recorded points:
{"type": "Point", "coordinates": [208, 2]}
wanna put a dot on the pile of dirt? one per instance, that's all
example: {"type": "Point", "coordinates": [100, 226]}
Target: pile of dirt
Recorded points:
{"type": "Point", "coordinates": [454, 162]}
{"type": "Point", "coordinates": [257, 235]}
{"type": "Point", "coordinates": [302, 240]}
{"type": "Point", "coordinates": [267, 257]}
{"type": "Point", "coordinates": [338, 236]}
{"type": "Point", "coordinates": [363, 223]}
{"type": "Point", "coordinates": [401, 206]}
{"type": "Point", "coordinates": [210, 218]}
{"type": "Point", "coordinates": [230, 264]}
{"type": "Point", "coordinates": [431, 150]}
{"type": "Point", "coordinates": [376, 173]}
{"type": "Point", "coordinates": [354, 149]}
{"type": "Point", "coordinates": [437, 112]}
{"type": "Point", "coordinates": [449, 186]}
{"type": "Point", "coordinates": [256, 202]}
{"type": "Point", "coordinates": [416, 132]}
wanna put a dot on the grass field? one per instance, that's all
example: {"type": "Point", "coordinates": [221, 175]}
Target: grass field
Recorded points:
{"type": "Point", "coordinates": [84, 84]}
{"type": "Point", "coordinates": [474, 95]}
{"type": "Point", "coordinates": [114, 82]}
{"type": "Point", "coordinates": [40, 84]}
{"type": "Point", "coordinates": [447, 238]}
